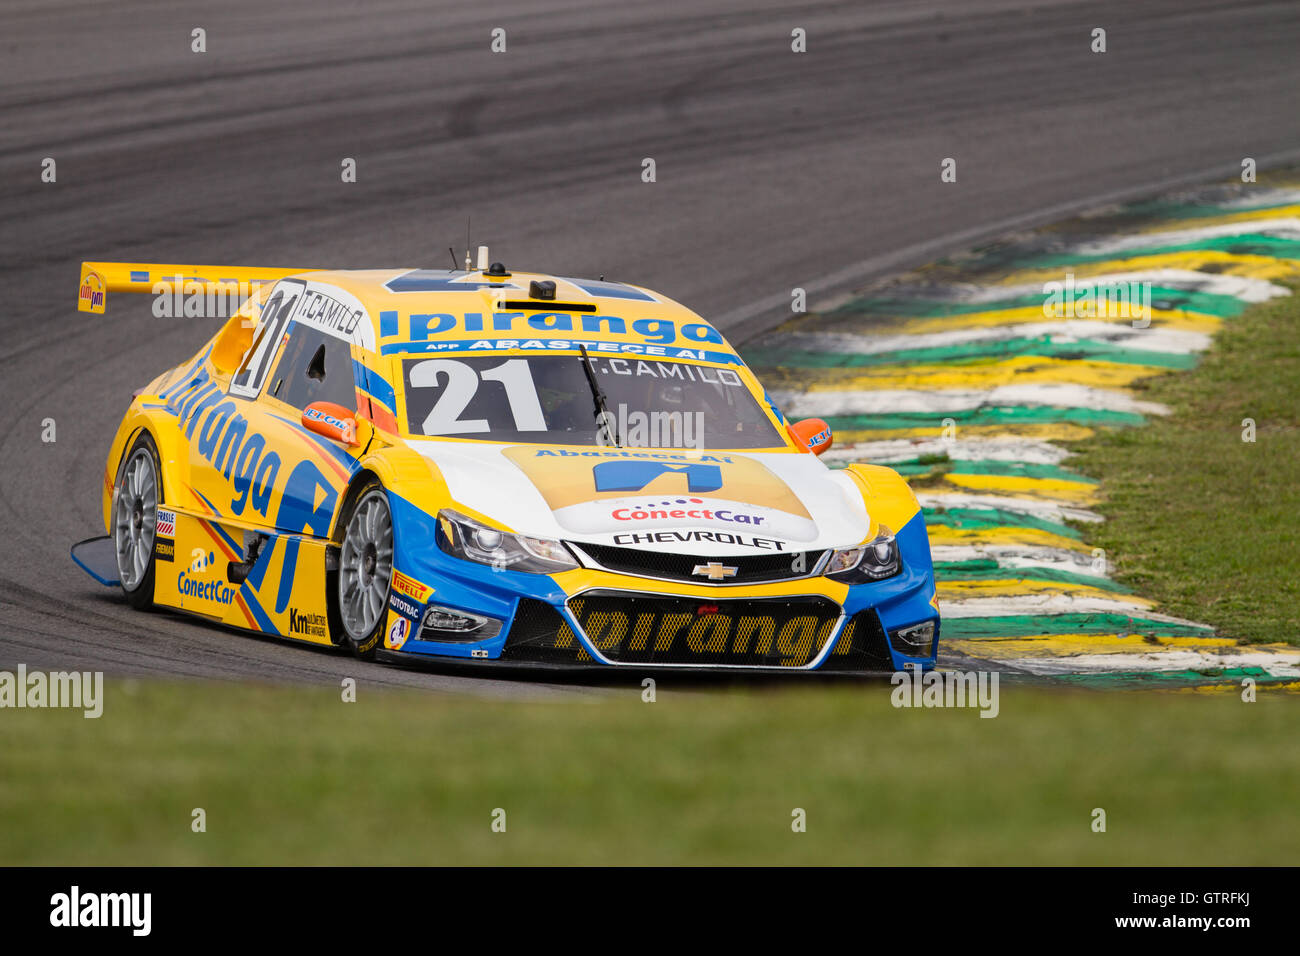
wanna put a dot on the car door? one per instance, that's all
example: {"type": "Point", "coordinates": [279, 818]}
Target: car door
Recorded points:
{"type": "Point", "coordinates": [230, 471]}
{"type": "Point", "coordinates": [267, 483]}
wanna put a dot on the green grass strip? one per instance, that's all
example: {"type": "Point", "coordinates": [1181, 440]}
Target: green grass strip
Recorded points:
{"type": "Point", "coordinates": [1244, 244]}
{"type": "Point", "coordinates": [1011, 415]}
{"type": "Point", "coordinates": [972, 353]}
{"type": "Point", "coordinates": [1034, 574]}
{"type": "Point", "coordinates": [1018, 469]}
{"type": "Point", "coordinates": [994, 518]}
{"type": "Point", "coordinates": [1199, 519]}
{"type": "Point", "coordinates": [974, 564]}
{"type": "Point", "coordinates": [1234, 674]}
{"type": "Point", "coordinates": [1162, 297]}
{"type": "Point", "coordinates": [1024, 625]}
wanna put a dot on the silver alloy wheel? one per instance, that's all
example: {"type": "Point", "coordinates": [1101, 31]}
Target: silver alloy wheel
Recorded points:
{"type": "Point", "coordinates": [135, 518]}
{"type": "Point", "coordinates": [366, 565]}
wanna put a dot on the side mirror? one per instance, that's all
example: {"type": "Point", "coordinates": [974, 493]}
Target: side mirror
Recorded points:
{"type": "Point", "coordinates": [811, 434]}
{"type": "Point", "coordinates": [332, 421]}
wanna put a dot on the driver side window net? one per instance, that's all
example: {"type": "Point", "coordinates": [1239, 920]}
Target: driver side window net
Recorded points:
{"type": "Point", "coordinates": [316, 367]}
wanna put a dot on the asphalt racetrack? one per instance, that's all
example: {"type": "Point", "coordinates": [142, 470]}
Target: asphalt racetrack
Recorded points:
{"type": "Point", "coordinates": [775, 170]}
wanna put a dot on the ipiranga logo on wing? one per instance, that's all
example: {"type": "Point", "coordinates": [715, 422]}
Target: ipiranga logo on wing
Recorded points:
{"type": "Point", "coordinates": [611, 490]}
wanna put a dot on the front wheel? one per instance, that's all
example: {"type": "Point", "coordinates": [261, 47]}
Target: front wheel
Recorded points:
{"type": "Point", "coordinates": [135, 521]}
{"type": "Point", "coordinates": [365, 571]}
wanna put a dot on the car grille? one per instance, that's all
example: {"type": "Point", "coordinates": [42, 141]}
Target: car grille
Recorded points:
{"type": "Point", "coordinates": [633, 628]}
{"type": "Point", "coordinates": [540, 634]}
{"type": "Point", "coordinates": [862, 646]}
{"type": "Point", "coordinates": [750, 569]}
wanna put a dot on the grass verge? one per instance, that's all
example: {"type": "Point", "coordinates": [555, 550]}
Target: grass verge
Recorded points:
{"type": "Point", "coordinates": [1198, 519]}
{"type": "Point", "coordinates": [295, 776]}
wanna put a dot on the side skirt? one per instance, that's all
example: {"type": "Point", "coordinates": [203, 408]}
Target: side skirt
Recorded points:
{"type": "Point", "coordinates": [205, 570]}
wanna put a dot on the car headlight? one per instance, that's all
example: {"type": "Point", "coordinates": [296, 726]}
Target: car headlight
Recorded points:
{"type": "Point", "coordinates": [914, 641]}
{"type": "Point", "coordinates": [466, 538]}
{"type": "Point", "coordinates": [874, 561]}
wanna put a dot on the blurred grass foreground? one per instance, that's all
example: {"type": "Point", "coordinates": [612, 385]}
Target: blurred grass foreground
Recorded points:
{"type": "Point", "coordinates": [297, 776]}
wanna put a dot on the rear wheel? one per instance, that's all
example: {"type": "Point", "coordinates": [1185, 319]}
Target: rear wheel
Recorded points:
{"type": "Point", "coordinates": [135, 521]}
{"type": "Point", "coordinates": [365, 571]}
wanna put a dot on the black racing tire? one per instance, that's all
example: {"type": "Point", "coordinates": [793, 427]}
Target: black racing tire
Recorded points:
{"type": "Point", "coordinates": [134, 520]}
{"type": "Point", "coordinates": [365, 573]}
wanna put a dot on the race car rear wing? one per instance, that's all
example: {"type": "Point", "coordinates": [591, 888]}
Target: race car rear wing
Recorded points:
{"type": "Point", "coordinates": [100, 278]}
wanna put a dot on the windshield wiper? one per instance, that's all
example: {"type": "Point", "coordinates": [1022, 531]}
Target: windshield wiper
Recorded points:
{"type": "Point", "coordinates": [603, 417]}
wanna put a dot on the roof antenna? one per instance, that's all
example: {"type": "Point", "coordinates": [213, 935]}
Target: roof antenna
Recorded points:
{"type": "Point", "coordinates": [467, 244]}
{"type": "Point", "coordinates": [452, 252]}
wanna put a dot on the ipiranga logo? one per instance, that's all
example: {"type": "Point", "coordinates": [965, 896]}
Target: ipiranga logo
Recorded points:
{"type": "Point", "coordinates": [79, 690]}
{"type": "Point", "coordinates": [75, 908]}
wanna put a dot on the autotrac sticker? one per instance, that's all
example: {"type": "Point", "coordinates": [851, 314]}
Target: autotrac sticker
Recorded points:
{"type": "Point", "coordinates": [625, 490]}
{"type": "Point", "coordinates": [403, 607]}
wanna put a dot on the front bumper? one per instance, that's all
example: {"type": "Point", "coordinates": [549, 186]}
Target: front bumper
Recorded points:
{"type": "Point", "coordinates": [589, 618]}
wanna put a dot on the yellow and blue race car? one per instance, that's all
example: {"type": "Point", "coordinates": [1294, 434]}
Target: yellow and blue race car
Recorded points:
{"type": "Point", "coordinates": [496, 467]}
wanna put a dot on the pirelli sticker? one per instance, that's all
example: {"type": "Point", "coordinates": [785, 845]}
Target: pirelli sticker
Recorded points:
{"type": "Point", "coordinates": [410, 587]}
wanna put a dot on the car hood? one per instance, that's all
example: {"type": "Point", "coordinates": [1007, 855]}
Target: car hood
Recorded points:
{"type": "Point", "coordinates": [715, 503]}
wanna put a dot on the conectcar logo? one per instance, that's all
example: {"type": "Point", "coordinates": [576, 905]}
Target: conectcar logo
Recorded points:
{"type": "Point", "coordinates": [205, 590]}
{"type": "Point", "coordinates": [667, 511]}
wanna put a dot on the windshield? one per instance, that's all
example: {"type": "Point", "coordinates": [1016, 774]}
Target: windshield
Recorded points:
{"type": "Point", "coordinates": [548, 399]}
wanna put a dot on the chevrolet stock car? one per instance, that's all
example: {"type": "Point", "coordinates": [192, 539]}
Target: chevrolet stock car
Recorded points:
{"type": "Point", "coordinates": [487, 466]}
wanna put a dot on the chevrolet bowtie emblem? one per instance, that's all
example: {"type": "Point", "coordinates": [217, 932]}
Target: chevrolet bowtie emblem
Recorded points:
{"type": "Point", "coordinates": [715, 570]}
